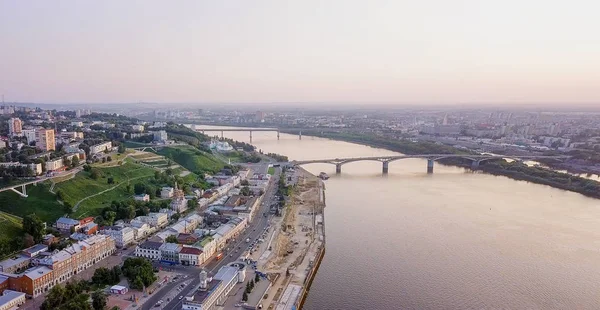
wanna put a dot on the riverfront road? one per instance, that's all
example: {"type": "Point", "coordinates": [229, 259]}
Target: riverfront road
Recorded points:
{"type": "Point", "coordinates": [253, 231]}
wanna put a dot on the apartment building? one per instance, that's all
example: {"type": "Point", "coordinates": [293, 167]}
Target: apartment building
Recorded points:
{"type": "Point", "coordinates": [15, 126]}
{"type": "Point", "coordinates": [54, 164]}
{"type": "Point", "coordinates": [101, 147]}
{"type": "Point", "coordinates": [44, 139]}
{"type": "Point", "coordinates": [11, 300]}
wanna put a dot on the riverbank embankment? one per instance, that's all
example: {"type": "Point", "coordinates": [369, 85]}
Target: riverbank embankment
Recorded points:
{"type": "Point", "coordinates": [297, 244]}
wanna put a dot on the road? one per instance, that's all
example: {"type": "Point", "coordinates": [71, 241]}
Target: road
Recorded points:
{"type": "Point", "coordinates": [253, 231]}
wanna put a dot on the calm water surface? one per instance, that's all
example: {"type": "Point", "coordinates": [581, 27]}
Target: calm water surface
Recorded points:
{"type": "Point", "coordinates": [450, 240]}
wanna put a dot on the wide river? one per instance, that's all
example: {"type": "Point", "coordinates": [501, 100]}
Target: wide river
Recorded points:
{"type": "Point", "coordinates": [453, 239]}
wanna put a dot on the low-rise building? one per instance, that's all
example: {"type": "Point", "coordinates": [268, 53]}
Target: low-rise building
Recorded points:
{"type": "Point", "coordinates": [54, 164]}
{"type": "Point", "coordinates": [15, 264]}
{"type": "Point", "coordinates": [142, 197]}
{"type": "Point", "coordinates": [35, 250]}
{"type": "Point", "coordinates": [149, 249]}
{"type": "Point", "coordinates": [187, 239]}
{"type": "Point", "coordinates": [166, 192]}
{"type": "Point", "coordinates": [140, 229]}
{"type": "Point", "coordinates": [158, 219]}
{"type": "Point", "coordinates": [212, 292]}
{"type": "Point", "coordinates": [35, 281]}
{"type": "Point", "coordinates": [123, 236]}
{"type": "Point", "coordinates": [101, 147]}
{"type": "Point", "coordinates": [65, 224]}
{"type": "Point", "coordinates": [169, 253]}
{"type": "Point", "coordinates": [11, 300]}
{"type": "Point", "coordinates": [190, 256]}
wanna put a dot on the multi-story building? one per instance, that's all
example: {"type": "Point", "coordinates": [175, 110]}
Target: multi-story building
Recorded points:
{"type": "Point", "coordinates": [166, 192]}
{"type": "Point", "coordinates": [138, 128]}
{"type": "Point", "coordinates": [11, 300]}
{"type": "Point", "coordinates": [191, 256]}
{"type": "Point", "coordinates": [65, 224]}
{"type": "Point", "coordinates": [54, 164]}
{"type": "Point", "coordinates": [44, 139]}
{"type": "Point", "coordinates": [101, 147]}
{"type": "Point", "coordinates": [34, 282]}
{"type": "Point", "coordinates": [213, 292]}
{"type": "Point", "coordinates": [123, 236]}
{"type": "Point", "coordinates": [29, 134]}
{"type": "Point", "coordinates": [61, 266]}
{"type": "Point", "coordinates": [158, 219]}
{"type": "Point", "coordinates": [15, 264]}
{"type": "Point", "coordinates": [160, 135]}
{"type": "Point", "coordinates": [15, 126]}
{"type": "Point", "coordinates": [169, 252]}
{"type": "Point", "coordinates": [140, 229]}
{"type": "Point", "coordinates": [149, 249]}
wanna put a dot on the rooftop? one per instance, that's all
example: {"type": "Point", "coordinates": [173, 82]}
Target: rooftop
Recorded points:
{"type": "Point", "coordinates": [150, 245]}
{"type": "Point", "coordinates": [190, 250]}
{"type": "Point", "coordinates": [37, 272]}
{"type": "Point", "coordinates": [9, 295]}
{"type": "Point", "coordinates": [35, 249]}
{"type": "Point", "coordinates": [171, 247]}
{"type": "Point", "coordinates": [199, 296]}
{"type": "Point", "coordinates": [15, 260]}
{"type": "Point", "coordinates": [67, 221]}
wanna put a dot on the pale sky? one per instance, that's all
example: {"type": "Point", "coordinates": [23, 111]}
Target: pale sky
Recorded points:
{"type": "Point", "coordinates": [429, 51]}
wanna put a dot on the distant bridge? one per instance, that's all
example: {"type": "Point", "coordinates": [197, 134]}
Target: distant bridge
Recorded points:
{"type": "Point", "coordinates": [250, 130]}
{"type": "Point", "coordinates": [431, 158]}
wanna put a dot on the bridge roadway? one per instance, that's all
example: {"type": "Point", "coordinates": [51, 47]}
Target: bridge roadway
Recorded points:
{"type": "Point", "coordinates": [431, 158]}
{"type": "Point", "coordinates": [250, 130]}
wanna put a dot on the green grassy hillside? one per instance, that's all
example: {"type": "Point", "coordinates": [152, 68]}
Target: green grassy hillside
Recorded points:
{"type": "Point", "coordinates": [40, 201]}
{"type": "Point", "coordinates": [193, 159]}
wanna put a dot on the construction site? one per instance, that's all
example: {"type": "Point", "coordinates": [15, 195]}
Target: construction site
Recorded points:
{"type": "Point", "coordinates": [294, 247]}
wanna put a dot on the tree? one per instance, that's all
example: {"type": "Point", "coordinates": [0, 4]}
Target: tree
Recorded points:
{"type": "Point", "coordinates": [245, 296]}
{"type": "Point", "coordinates": [192, 204]}
{"type": "Point", "coordinates": [171, 239]}
{"type": "Point", "coordinates": [75, 161]}
{"type": "Point", "coordinates": [34, 226]}
{"type": "Point", "coordinates": [87, 168]}
{"type": "Point", "coordinates": [121, 148]}
{"type": "Point", "coordinates": [95, 174]}
{"type": "Point", "coordinates": [99, 300]}
{"type": "Point", "coordinates": [110, 180]}
{"type": "Point", "coordinates": [139, 188]}
{"type": "Point", "coordinates": [108, 158]}
{"type": "Point", "coordinates": [139, 272]}
{"type": "Point", "coordinates": [103, 159]}
{"type": "Point", "coordinates": [256, 278]}
{"type": "Point", "coordinates": [245, 191]}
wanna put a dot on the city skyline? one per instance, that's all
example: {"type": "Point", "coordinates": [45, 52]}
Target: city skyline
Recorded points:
{"type": "Point", "coordinates": [391, 52]}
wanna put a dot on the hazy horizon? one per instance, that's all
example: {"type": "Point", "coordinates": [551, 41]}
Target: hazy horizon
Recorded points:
{"type": "Point", "coordinates": [306, 52]}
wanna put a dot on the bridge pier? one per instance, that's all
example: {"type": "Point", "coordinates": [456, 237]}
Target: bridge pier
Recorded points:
{"type": "Point", "coordinates": [222, 136]}
{"type": "Point", "coordinates": [300, 135]}
{"type": "Point", "coordinates": [429, 165]}
{"type": "Point", "coordinates": [24, 190]}
{"type": "Point", "coordinates": [338, 168]}
{"type": "Point", "coordinates": [277, 134]}
{"type": "Point", "coordinates": [475, 165]}
{"type": "Point", "coordinates": [385, 167]}
{"type": "Point", "coordinates": [250, 136]}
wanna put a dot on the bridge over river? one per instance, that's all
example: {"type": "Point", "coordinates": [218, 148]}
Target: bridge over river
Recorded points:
{"type": "Point", "coordinates": [431, 158]}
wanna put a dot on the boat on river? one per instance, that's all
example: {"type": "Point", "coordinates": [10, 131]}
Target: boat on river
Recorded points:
{"type": "Point", "coordinates": [323, 176]}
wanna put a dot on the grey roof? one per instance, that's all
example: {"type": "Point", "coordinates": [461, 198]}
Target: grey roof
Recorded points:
{"type": "Point", "coordinates": [38, 272]}
{"type": "Point", "coordinates": [67, 221]}
{"type": "Point", "coordinates": [150, 245]}
{"type": "Point", "coordinates": [170, 247]}
{"type": "Point", "coordinates": [16, 260]}
{"type": "Point", "coordinates": [9, 295]}
{"type": "Point", "coordinates": [36, 248]}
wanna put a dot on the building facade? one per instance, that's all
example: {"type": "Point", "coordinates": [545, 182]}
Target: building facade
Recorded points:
{"type": "Point", "coordinates": [44, 139]}
{"type": "Point", "coordinates": [15, 126]}
{"type": "Point", "coordinates": [123, 236]}
{"type": "Point", "coordinates": [149, 250]}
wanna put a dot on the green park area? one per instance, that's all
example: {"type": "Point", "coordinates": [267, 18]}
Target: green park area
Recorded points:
{"type": "Point", "coordinates": [39, 201]}
{"type": "Point", "coordinates": [90, 191]}
{"type": "Point", "coordinates": [271, 171]}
